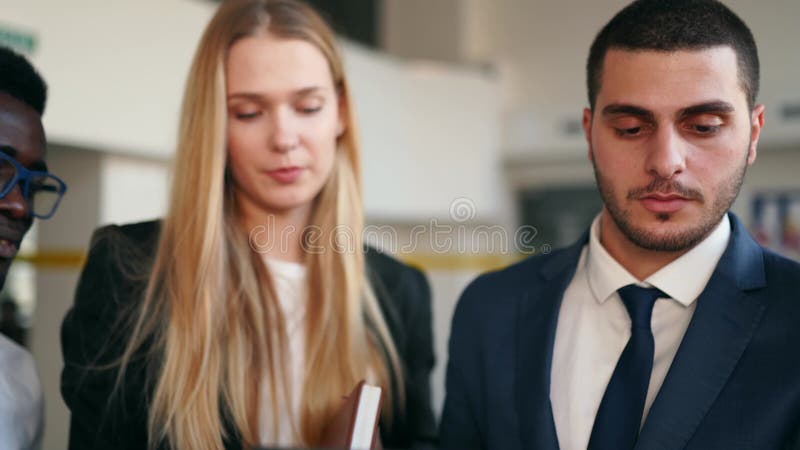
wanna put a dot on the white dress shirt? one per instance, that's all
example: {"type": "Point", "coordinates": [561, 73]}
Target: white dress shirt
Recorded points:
{"type": "Point", "coordinates": [290, 286]}
{"type": "Point", "coordinates": [594, 327]}
{"type": "Point", "coordinates": [21, 403]}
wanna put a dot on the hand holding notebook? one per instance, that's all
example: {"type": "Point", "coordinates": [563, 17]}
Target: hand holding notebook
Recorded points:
{"type": "Point", "coordinates": [355, 425]}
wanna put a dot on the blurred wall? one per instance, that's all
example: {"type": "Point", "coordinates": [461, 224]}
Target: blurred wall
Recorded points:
{"type": "Point", "coordinates": [115, 68]}
{"type": "Point", "coordinates": [69, 230]}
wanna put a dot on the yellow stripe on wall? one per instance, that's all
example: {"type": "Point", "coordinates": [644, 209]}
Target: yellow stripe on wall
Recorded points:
{"type": "Point", "coordinates": [460, 262]}
{"type": "Point", "coordinates": [74, 259]}
{"type": "Point", "coordinates": [54, 259]}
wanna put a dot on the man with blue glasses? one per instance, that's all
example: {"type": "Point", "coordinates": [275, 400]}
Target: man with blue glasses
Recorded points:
{"type": "Point", "coordinates": [27, 191]}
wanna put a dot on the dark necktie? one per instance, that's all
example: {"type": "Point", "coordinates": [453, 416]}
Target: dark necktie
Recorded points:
{"type": "Point", "coordinates": [616, 425]}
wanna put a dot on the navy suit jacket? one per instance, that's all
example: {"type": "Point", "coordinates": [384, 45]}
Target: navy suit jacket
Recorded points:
{"type": "Point", "coordinates": [734, 382]}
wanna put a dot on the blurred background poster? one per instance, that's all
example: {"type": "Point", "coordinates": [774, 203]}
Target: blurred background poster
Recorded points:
{"type": "Point", "coordinates": [776, 221]}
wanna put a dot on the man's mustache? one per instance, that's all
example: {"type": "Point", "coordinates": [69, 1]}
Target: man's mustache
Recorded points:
{"type": "Point", "coordinates": [665, 186]}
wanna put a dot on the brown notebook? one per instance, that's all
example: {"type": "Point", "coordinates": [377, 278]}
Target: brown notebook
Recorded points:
{"type": "Point", "coordinates": [355, 425]}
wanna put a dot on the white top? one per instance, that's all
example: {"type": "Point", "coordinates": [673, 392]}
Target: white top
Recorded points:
{"type": "Point", "coordinates": [290, 286]}
{"type": "Point", "coordinates": [594, 327]}
{"type": "Point", "coordinates": [21, 402]}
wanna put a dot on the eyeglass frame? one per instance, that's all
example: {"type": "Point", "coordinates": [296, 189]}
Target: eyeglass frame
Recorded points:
{"type": "Point", "coordinates": [25, 175]}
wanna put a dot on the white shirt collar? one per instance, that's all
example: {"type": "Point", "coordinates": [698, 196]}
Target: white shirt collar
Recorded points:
{"type": "Point", "coordinates": [683, 279]}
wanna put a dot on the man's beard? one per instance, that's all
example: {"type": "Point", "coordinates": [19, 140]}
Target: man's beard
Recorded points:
{"type": "Point", "coordinates": [680, 240]}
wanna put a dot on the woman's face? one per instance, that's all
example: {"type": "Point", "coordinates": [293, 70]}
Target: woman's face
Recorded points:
{"type": "Point", "coordinates": [284, 118]}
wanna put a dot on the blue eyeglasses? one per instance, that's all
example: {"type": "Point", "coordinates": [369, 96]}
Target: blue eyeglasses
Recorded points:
{"type": "Point", "coordinates": [41, 190]}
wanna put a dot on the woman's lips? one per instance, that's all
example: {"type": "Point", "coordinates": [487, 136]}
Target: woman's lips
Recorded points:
{"type": "Point", "coordinates": [286, 175]}
{"type": "Point", "coordinates": [664, 203]}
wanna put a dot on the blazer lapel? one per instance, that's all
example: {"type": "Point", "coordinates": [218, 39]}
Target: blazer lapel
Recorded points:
{"type": "Point", "coordinates": [727, 314]}
{"type": "Point", "coordinates": [536, 324]}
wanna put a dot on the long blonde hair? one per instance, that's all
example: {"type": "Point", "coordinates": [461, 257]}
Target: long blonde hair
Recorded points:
{"type": "Point", "coordinates": [209, 308]}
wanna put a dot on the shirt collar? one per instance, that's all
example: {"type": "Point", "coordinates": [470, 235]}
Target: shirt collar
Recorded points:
{"type": "Point", "coordinates": [683, 279]}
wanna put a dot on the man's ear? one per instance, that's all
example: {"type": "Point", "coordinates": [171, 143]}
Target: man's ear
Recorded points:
{"type": "Point", "coordinates": [587, 130]}
{"type": "Point", "coordinates": [756, 125]}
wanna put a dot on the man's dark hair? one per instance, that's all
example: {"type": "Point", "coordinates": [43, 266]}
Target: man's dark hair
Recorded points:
{"type": "Point", "coordinates": [673, 25]}
{"type": "Point", "coordinates": [20, 80]}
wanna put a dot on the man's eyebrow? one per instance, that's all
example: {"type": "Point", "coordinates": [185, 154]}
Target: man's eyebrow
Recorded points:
{"type": "Point", "coordinates": [36, 166]}
{"type": "Point", "coordinates": [715, 107]}
{"type": "Point", "coordinates": [628, 110]}
{"type": "Point", "coordinates": [9, 150]}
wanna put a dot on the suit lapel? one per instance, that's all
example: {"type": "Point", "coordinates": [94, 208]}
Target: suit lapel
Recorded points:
{"type": "Point", "coordinates": [536, 324]}
{"type": "Point", "coordinates": [727, 315]}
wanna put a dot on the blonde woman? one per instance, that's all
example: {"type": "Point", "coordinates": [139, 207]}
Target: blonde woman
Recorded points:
{"type": "Point", "coordinates": [243, 317]}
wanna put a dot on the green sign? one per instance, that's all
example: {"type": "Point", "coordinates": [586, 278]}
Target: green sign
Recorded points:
{"type": "Point", "coordinates": [20, 41]}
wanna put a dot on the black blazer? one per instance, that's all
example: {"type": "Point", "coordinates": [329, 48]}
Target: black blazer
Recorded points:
{"type": "Point", "coordinates": [94, 333]}
{"type": "Point", "coordinates": [734, 383]}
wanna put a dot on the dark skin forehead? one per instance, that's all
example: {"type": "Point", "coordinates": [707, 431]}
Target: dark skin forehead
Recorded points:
{"type": "Point", "coordinates": [21, 129]}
